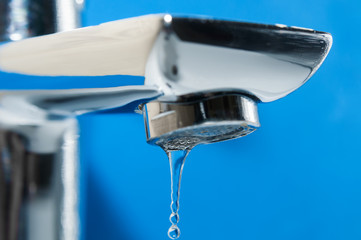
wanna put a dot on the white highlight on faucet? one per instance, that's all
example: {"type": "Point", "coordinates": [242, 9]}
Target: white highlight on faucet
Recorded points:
{"type": "Point", "coordinates": [168, 18]}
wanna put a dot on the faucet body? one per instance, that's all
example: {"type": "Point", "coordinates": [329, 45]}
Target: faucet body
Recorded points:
{"type": "Point", "coordinates": [39, 159]}
{"type": "Point", "coordinates": [202, 77]}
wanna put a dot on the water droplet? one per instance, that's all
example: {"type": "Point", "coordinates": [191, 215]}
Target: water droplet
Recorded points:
{"type": "Point", "coordinates": [174, 218]}
{"type": "Point", "coordinates": [174, 232]}
{"type": "Point", "coordinates": [176, 162]}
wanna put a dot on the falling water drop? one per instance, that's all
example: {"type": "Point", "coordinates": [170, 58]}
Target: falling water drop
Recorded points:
{"type": "Point", "coordinates": [176, 162]}
{"type": "Point", "coordinates": [174, 232]}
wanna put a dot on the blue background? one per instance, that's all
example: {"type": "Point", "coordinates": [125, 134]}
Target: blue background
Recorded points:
{"type": "Point", "coordinates": [297, 177]}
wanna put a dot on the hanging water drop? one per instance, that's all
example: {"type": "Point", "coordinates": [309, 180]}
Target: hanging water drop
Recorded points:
{"type": "Point", "coordinates": [176, 162]}
{"type": "Point", "coordinates": [174, 232]}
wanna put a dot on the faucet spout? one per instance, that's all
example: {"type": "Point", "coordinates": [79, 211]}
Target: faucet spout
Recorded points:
{"type": "Point", "coordinates": [200, 71]}
{"type": "Point", "coordinates": [194, 56]}
{"type": "Point", "coordinates": [213, 74]}
{"type": "Point", "coordinates": [203, 80]}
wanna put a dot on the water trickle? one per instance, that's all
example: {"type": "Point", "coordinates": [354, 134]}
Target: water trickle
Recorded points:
{"type": "Point", "coordinates": [179, 143]}
{"type": "Point", "coordinates": [176, 162]}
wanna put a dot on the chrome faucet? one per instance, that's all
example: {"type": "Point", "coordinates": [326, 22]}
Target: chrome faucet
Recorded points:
{"type": "Point", "coordinates": [203, 81]}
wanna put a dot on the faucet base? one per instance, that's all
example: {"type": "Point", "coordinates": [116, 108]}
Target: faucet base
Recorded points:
{"type": "Point", "coordinates": [183, 125]}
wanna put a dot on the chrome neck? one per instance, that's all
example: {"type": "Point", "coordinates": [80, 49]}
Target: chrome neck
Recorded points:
{"type": "Point", "coordinates": [20, 19]}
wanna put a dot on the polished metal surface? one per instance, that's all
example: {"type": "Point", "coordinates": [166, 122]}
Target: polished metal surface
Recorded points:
{"type": "Point", "coordinates": [193, 56]}
{"type": "Point", "coordinates": [20, 19]}
{"type": "Point", "coordinates": [34, 106]}
{"type": "Point", "coordinates": [38, 190]}
{"type": "Point", "coordinates": [184, 125]}
{"type": "Point", "coordinates": [67, 14]}
{"type": "Point", "coordinates": [183, 56]}
{"type": "Point", "coordinates": [203, 81]}
{"type": "Point", "coordinates": [38, 160]}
